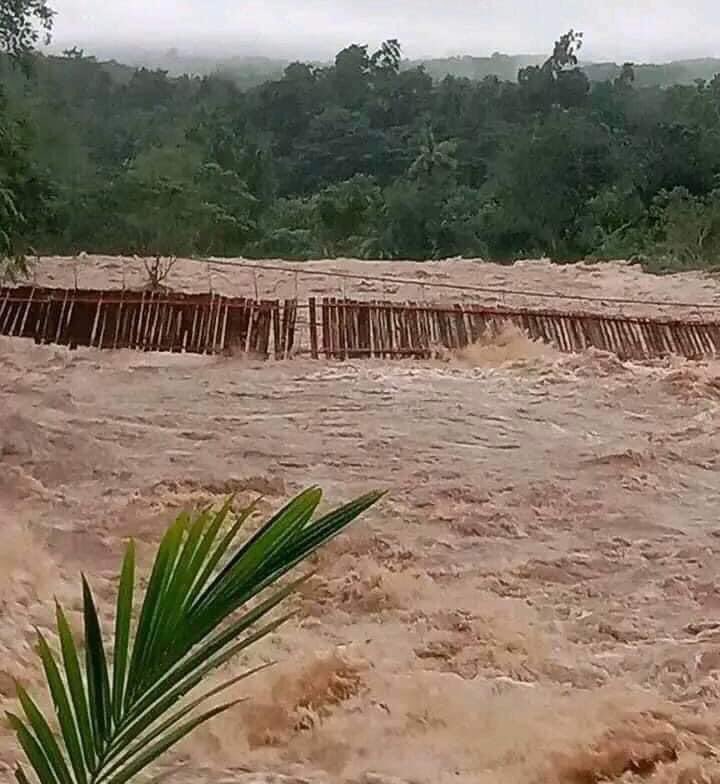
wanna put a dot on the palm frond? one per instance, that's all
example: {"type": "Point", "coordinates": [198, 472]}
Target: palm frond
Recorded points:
{"type": "Point", "coordinates": [197, 613]}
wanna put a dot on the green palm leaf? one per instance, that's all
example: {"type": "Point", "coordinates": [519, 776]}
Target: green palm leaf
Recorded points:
{"type": "Point", "coordinates": [198, 612]}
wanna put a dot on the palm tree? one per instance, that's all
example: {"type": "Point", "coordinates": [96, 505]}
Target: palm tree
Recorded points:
{"type": "Point", "coordinates": [434, 157]}
{"type": "Point", "coordinates": [116, 720]}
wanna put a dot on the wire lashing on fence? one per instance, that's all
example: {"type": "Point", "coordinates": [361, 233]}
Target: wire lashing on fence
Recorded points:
{"type": "Point", "coordinates": [334, 328]}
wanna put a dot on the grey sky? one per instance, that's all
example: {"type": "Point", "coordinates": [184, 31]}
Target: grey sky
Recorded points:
{"type": "Point", "coordinates": [614, 29]}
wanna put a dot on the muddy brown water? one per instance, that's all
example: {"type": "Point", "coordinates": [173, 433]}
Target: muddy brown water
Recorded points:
{"type": "Point", "coordinates": [537, 600]}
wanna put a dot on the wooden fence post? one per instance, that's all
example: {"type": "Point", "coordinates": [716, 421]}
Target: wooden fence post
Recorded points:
{"type": "Point", "coordinates": [313, 328]}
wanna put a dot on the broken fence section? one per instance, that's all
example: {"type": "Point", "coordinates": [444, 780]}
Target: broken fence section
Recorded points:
{"type": "Point", "coordinates": [149, 321]}
{"type": "Point", "coordinates": [352, 329]}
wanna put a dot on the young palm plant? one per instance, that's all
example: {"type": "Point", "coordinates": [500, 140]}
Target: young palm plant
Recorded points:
{"type": "Point", "coordinates": [115, 720]}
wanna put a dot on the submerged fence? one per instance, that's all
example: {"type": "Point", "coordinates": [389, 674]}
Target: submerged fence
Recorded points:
{"type": "Point", "coordinates": [334, 328]}
{"type": "Point", "coordinates": [393, 329]}
{"type": "Point", "coordinates": [149, 321]}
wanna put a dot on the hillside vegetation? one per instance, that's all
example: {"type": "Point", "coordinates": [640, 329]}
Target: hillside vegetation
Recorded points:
{"type": "Point", "coordinates": [368, 157]}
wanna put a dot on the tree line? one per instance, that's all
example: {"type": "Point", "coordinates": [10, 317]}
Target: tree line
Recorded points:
{"type": "Point", "coordinates": [359, 158]}
{"type": "Point", "coordinates": [247, 71]}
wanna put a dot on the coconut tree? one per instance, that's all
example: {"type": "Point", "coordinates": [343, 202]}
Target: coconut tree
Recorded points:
{"type": "Point", "coordinates": [434, 159]}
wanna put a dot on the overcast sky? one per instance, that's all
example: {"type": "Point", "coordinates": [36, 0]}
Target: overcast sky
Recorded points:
{"type": "Point", "coordinates": [614, 29]}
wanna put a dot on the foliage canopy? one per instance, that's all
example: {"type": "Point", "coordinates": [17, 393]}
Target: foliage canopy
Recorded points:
{"type": "Point", "coordinates": [368, 156]}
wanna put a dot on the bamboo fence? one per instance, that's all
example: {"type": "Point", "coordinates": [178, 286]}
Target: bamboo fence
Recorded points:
{"type": "Point", "coordinates": [334, 328]}
{"type": "Point", "coordinates": [149, 321]}
{"type": "Point", "coordinates": [353, 329]}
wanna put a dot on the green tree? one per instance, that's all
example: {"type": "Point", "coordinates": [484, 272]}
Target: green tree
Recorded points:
{"type": "Point", "coordinates": [558, 81]}
{"type": "Point", "coordinates": [435, 161]}
{"type": "Point", "coordinates": [171, 203]}
{"type": "Point", "coordinates": [22, 24]}
{"type": "Point", "coordinates": [387, 58]}
{"type": "Point", "coordinates": [688, 227]}
{"type": "Point", "coordinates": [288, 230]}
{"type": "Point", "coordinates": [420, 222]}
{"type": "Point", "coordinates": [614, 222]}
{"type": "Point", "coordinates": [25, 194]}
{"type": "Point", "coordinates": [347, 214]}
{"type": "Point", "coordinates": [541, 183]}
{"type": "Point", "coordinates": [351, 76]}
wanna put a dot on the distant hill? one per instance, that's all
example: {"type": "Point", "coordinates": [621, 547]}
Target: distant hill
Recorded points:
{"type": "Point", "coordinates": [659, 75]}
{"type": "Point", "coordinates": [506, 67]}
{"type": "Point", "coordinates": [250, 71]}
{"type": "Point", "coordinates": [245, 70]}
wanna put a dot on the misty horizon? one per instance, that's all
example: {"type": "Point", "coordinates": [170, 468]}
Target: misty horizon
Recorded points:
{"type": "Point", "coordinates": [317, 29]}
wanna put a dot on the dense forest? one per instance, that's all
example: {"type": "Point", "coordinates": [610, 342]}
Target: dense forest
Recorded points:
{"type": "Point", "coordinates": [359, 158]}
